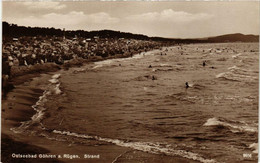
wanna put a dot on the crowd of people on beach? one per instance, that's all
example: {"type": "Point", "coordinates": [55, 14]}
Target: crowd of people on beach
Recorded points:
{"type": "Point", "coordinates": [26, 51]}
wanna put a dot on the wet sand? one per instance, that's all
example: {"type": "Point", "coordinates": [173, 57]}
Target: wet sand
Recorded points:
{"type": "Point", "coordinates": [20, 143]}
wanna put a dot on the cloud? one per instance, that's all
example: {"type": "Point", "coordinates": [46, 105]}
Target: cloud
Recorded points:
{"type": "Point", "coordinates": [44, 5]}
{"type": "Point", "coordinates": [165, 23]}
{"type": "Point", "coordinates": [72, 20]}
{"type": "Point", "coordinates": [169, 15]}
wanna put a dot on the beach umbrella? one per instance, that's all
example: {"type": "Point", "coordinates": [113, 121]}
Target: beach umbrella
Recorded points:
{"type": "Point", "coordinates": [11, 63]}
{"type": "Point", "coordinates": [10, 58]}
{"type": "Point", "coordinates": [24, 55]}
{"type": "Point", "coordinates": [33, 56]}
{"type": "Point", "coordinates": [16, 62]}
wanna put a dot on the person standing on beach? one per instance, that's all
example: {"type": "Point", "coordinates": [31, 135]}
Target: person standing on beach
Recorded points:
{"type": "Point", "coordinates": [6, 67]}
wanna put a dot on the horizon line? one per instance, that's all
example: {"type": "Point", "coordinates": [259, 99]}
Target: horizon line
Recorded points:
{"type": "Point", "coordinates": [205, 37]}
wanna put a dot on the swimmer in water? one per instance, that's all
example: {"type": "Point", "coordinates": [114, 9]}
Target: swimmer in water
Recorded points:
{"type": "Point", "coordinates": [187, 85]}
{"type": "Point", "coordinates": [204, 64]}
{"type": "Point", "coordinates": [153, 78]}
{"type": "Point", "coordinates": [150, 66]}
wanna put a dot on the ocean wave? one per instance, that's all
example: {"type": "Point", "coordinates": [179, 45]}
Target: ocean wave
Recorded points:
{"type": "Point", "coordinates": [145, 78]}
{"type": "Point", "coordinates": [236, 69]}
{"type": "Point", "coordinates": [233, 67]}
{"type": "Point", "coordinates": [80, 70]}
{"type": "Point", "coordinates": [165, 69]}
{"type": "Point", "coordinates": [100, 64]}
{"type": "Point", "coordinates": [37, 117]}
{"type": "Point", "coordinates": [231, 125]}
{"type": "Point", "coordinates": [97, 66]}
{"type": "Point", "coordinates": [249, 60]}
{"type": "Point", "coordinates": [56, 76]}
{"type": "Point", "coordinates": [52, 89]}
{"type": "Point", "coordinates": [155, 148]}
{"type": "Point", "coordinates": [220, 75]}
{"type": "Point", "coordinates": [235, 56]}
{"type": "Point", "coordinates": [237, 74]}
{"type": "Point", "coordinates": [56, 88]}
{"type": "Point", "coordinates": [254, 146]}
{"type": "Point", "coordinates": [54, 81]}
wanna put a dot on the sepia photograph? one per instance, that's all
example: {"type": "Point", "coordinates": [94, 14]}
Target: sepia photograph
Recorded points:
{"type": "Point", "coordinates": [130, 81]}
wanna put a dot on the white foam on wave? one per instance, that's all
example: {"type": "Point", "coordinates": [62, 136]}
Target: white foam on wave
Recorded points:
{"type": "Point", "coordinates": [54, 81]}
{"type": "Point", "coordinates": [105, 62]}
{"type": "Point", "coordinates": [165, 65]}
{"type": "Point", "coordinates": [238, 74]}
{"type": "Point", "coordinates": [97, 66]}
{"type": "Point", "coordinates": [235, 56]}
{"type": "Point", "coordinates": [233, 67]}
{"type": "Point", "coordinates": [254, 146]}
{"type": "Point", "coordinates": [56, 76]}
{"type": "Point", "coordinates": [220, 75]}
{"type": "Point", "coordinates": [39, 107]}
{"type": "Point", "coordinates": [155, 148]}
{"type": "Point", "coordinates": [37, 117]}
{"type": "Point", "coordinates": [243, 127]}
{"type": "Point", "coordinates": [137, 56]}
{"type": "Point", "coordinates": [56, 89]}
{"type": "Point", "coordinates": [79, 70]}
{"type": "Point", "coordinates": [111, 61]}
{"type": "Point", "coordinates": [53, 88]}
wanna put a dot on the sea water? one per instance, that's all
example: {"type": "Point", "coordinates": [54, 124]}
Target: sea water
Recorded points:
{"type": "Point", "coordinates": [129, 103]}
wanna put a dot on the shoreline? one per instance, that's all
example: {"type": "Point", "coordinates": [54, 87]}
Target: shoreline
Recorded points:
{"type": "Point", "coordinates": [21, 74]}
{"type": "Point", "coordinates": [38, 145]}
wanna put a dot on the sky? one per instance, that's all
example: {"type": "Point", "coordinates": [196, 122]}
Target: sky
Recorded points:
{"type": "Point", "coordinates": [178, 19]}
